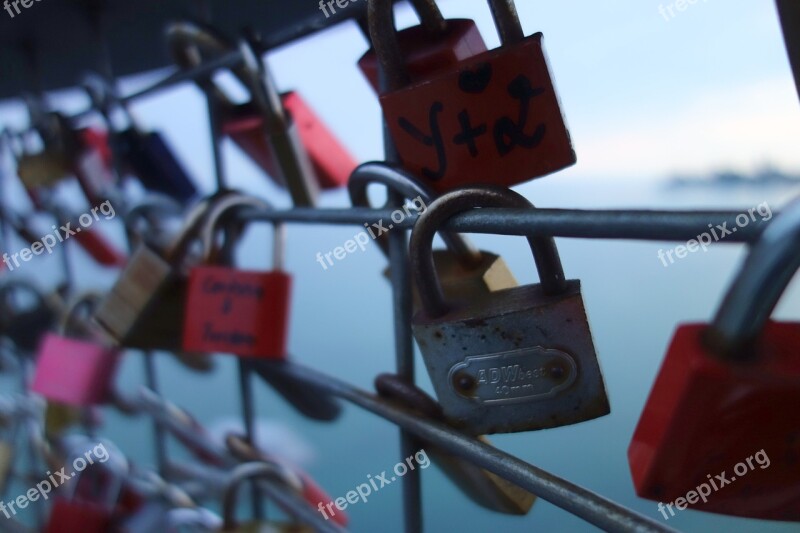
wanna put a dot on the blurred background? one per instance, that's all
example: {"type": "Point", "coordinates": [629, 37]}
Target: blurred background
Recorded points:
{"type": "Point", "coordinates": [698, 110]}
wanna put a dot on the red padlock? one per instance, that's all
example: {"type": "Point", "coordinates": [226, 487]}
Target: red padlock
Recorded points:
{"type": "Point", "coordinates": [93, 164]}
{"type": "Point", "coordinates": [492, 118]}
{"type": "Point", "coordinates": [239, 312]}
{"type": "Point", "coordinates": [720, 429]}
{"type": "Point", "coordinates": [430, 48]}
{"type": "Point", "coordinates": [331, 160]}
{"type": "Point", "coordinates": [78, 515]}
{"type": "Point", "coordinates": [72, 371]}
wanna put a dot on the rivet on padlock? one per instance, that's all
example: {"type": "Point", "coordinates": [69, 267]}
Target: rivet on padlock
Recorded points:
{"type": "Point", "coordinates": [481, 486]}
{"type": "Point", "coordinates": [253, 471]}
{"type": "Point", "coordinates": [245, 313]}
{"type": "Point", "coordinates": [722, 413]}
{"type": "Point", "coordinates": [429, 48]}
{"type": "Point", "coordinates": [494, 116]}
{"type": "Point", "coordinates": [73, 368]}
{"type": "Point", "coordinates": [145, 308]}
{"type": "Point", "coordinates": [519, 359]}
{"type": "Point", "coordinates": [464, 271]}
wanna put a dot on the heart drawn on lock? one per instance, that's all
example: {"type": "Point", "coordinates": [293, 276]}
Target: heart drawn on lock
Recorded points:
{"type": "Point", "coordinates": [475, 81]}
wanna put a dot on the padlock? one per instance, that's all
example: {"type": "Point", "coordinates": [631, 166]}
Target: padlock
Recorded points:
{"type": "Point", "coordinates": [519, 359]}
{"type": "Point", "coordinates": [254, 471]}
{"type": "Point", "coordinates": [727, 394]}
{"type": "Point", "coordinates": [145, 308]}
{"type": "Point", "coordinates": [312, 493]}
{"type": "Point", "coordinates": [145, 154]}
{"type": "Point", "coordinates": [245, 313]}
{"type": "Point", "coordinates": [491, 118]}
{"type": "Point", "coordinates": [92, 165]}
{"type": "Point", "coordinates": [59, 417]}
{"type": "Point", "coordinates": [278, 147]}
{"type": "Point", "coordinates": [429, 48]}
{"type": "Point", "coordinates": [43, 169]}
{"type": "Point", "coordinates": [72, 514]}
{"type": "Point", "coordinates": [25, 314]}
{"type": "Point", "coordinates": [463, 270]}
{"type": "Point", "coordinates": [484, 488]}
{"type": "Point", "coordinates": [75, 368]}
{"type": "Point", "coordinates": [330, 159]}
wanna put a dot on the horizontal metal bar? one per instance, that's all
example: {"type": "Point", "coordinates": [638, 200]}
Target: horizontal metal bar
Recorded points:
{"type": "Point", "coordinates": [577, 500]}
{"type": "Point", "coordinates": [228, 61]}
{"type": "Point", "coordinates": [680, 226]}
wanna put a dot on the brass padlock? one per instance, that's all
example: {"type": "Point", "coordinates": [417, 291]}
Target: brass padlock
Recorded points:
{"type": "Point", "coordinates": [253, 471]}
{"type": "Point", "coordinates": [520, 359]}
{"type": "Point", "coordinates": [145, 308]}
{"type": "Point", "coordinates": [484, 488]}
{"type": "Point", "coordinates": [43, 169]}
{"type": "Point", "coordinates": [464, 271]}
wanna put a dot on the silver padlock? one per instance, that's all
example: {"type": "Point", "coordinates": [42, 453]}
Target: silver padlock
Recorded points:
{"type": "Point", "coordinates": [520, 359]}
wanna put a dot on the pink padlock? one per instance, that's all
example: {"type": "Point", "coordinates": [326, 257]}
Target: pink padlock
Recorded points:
{"type": "Point", "coordinates": [76, 372]}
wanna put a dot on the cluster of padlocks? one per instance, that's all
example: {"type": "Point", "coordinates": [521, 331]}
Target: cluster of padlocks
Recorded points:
{"type": "Point", "coordinates": [465, 124]}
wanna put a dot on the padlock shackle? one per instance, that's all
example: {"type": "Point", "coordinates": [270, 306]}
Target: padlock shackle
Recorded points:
{"type": "Point", "coordinates": [545, 253]}
{"type": "Point", "coordinates": [160, 204]}
{"type": "Point", "coordinates": [73, 325]}
{"type": "Point", "coordinates": [247, 472]}
{"type": "Point", "coordinates": [405, 184]}
{"type": "Point", "coordinates": [766, 273]}
{"type": "Point", "coordinates": [203, 221]}
{"type": "Point", "coordinates": [383, 33]}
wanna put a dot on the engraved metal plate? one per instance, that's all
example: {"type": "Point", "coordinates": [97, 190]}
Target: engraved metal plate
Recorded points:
{"type": "Point", "coordinates": [523, 375]}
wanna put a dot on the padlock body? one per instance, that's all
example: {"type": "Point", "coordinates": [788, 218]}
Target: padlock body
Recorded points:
{"type": "Point", "coordinates": [145, 308]}
{"type": "Point", "coordinates": [468, 283]}
{"type": "Point", "coordinates": [518, 360]}
{"type": "Point", "coordinates": [330, 159]}
{"type": "Point", "coordinates": [69, 516]}
{"type": "Point", "coordinates": [74, 372]}
{"type": "Point", "coordinates": [239, 312]}
{"type": "Point", "coordinates": [494, 118]}
{"type": "Point", "coordinates": [154, 163]}
{"type": "Point", "coordinates": [426, 54]}
{"type": "Point", "coordinates": [706, 417]}
{"type": "Point", "coordinates": [484, 488]}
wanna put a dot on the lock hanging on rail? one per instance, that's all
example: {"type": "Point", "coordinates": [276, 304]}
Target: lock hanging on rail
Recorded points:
{"type": "Point", "coordinates": [722, 413]}
{"type": "Point", "coordinates": [75, 368]}
{"type": "Point", "coordinates": [146, 307]}
{"type": "Point", "coordinates": [493, 117]}
{"type": "Point", "coordinates": [245, 313]}
{"type": "Point", "coordinates": [485, 488]}
{"type": "Point", "coordinates": [463, 270]}
{"type": "Point", "coordinates": [519, 359]}
{"type": "Point", "coordinates": [145, 154]}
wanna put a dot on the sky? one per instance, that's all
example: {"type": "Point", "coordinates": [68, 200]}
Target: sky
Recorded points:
{"type": "Point", "coordinates": [646, 95]}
